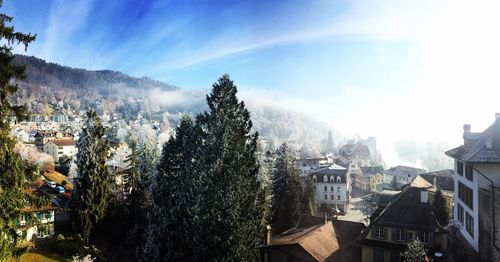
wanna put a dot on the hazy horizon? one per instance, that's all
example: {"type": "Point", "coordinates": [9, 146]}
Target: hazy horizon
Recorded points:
{"type": "Point", "coordinates": [410, 74]}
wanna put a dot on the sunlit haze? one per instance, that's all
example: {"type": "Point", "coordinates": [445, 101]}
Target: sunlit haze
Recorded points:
{"type": "Point", "coordinates": [402, 71]}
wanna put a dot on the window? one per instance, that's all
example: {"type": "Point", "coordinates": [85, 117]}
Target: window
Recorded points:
{"type": "Point", "coordinates": [399, 235]}
{"type": "Point", "coordinates": [460, 168]}
{"type": "Point", "coordinates": [465, 194]}
{"type": "Point", "coordinates": [325, 178]}
{"type": "Point", "coordinates": [326, 188]}
{"type": "Point", "coordinates": [332, 180]}
{"type": "Point", "coordinates": [314, 179]}
{"type": "Point", "coordinates": [338, 189]}
{"type": "Point", "coordinates": [338, 197]}
{"type": "Point", "coordinates": [460, 213]}
{"type": "Point", "coordinates": [331, 188]}
{"type": "Point", "coordinates": [378, 232]}
{"type": "Point", "coordinates": [314, 188]}
{"type": "Point", "coordinates": [339, 179]}
{"type": "Point", "coordinates": [424, 237]}
{"type": "Point", "coordinates": [378, 255]}
{"type": "Point", "coordinates": [326, 197]}
{"type": "Point", "coordinates": [410, 236]}
{"type": "Point", "coordinates": [468, 172]}
{"type": "Point", "coordinates": [331, 197]}
{"type": "Point", "coordinates": [469, 224]}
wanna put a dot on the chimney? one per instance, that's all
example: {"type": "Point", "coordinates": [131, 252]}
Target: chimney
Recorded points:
{"type": "Point", "coordinates": [466, 132]}
{"type": "Point", "coordinates": [496, 131]}
{"type": "Point", "coordinates": [434, 182]}
{"type": "Point", "coordinates": [424, 196]}
{"type": "Point", "coordinates": [267, 235]}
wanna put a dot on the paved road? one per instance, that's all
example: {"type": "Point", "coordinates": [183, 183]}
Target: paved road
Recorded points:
{"type": "Point", "coordinates": [359, 210]}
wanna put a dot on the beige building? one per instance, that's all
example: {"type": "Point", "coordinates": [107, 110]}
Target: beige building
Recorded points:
{"type": "Point", "coordinates": [60, 147]}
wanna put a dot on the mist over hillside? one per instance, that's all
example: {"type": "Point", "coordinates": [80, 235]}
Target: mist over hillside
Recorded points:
{"type": "Point", "coordinates": [48, 85]}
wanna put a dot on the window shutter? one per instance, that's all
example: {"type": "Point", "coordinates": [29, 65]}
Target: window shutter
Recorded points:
{"type": "Point", "coordinates": [394, 235]}
{"type": "Point", "coordinates": [403, 235]}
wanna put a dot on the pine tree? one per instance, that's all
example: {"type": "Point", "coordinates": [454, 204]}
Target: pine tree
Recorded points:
{"type": "Point", "coordinates": [94, 183]}
{"type": "Point", "coordinates": [230, 213]}
{"type": "Point", "coordinates": [287, 191]}
{"type": "Point", "coordinates": [308, 200]}
{"type": "Point", "coordinates": [172, 226]}
{"type": "Point", "coordinates": [440, 208]}
{"type": "Point", "coordinates": [15, 176]}
{"type": "Point", "coordinates": [415, 252]}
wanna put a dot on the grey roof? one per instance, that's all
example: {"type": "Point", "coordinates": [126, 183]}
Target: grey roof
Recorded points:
{"type": "Point", "coordinates": [408, 212]}
{"type": "Point", "coordinates": [320, 173]}
{"type": "Point", "coordinates": [444, 179]}
{"type": "Point", "coordinates": [355, 149]}
{"type": "Point", "coordinates": [404, 171]}
{"type": "Point", "coordinates": [369, 171]}
{"type": "Point", "coordinates": [480, 147]}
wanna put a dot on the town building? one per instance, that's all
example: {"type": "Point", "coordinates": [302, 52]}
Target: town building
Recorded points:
{"type": "Point", "coordinates": [36, 223]}
{"type": "Point", "coordinates": [477, 190]}
{"type": "Point", "coordinates": [332, 186]}
{"type": "Point", "coordinates": [406, 217]}
{"type": "Point", "coordinates": [42, 137]}
{"type": "Point", "coordinates": [60, 147]}
{"type": "Point", "coordinates": [367, 177]}
{"type": "Point", "coordinates": [357, 154]}
{"type": "Point", "coordinates": [307, 165]}
{"type": "Point", "coordinates": [443, 180]}
{"type": "Point", "coordinates": [402, 175]}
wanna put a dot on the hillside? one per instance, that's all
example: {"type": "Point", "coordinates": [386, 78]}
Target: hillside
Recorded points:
{"type": "Point", "coordinates": [49, 85]}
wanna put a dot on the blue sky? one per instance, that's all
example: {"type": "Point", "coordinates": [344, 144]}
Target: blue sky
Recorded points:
{"type": "Point", "coordinates": [383, 68]}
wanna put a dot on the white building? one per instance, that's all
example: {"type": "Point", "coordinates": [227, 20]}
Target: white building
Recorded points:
{"type": "Point", "coordinates": [60, 147]}
{"type": "Point", "coordinates": [36, 224]}
{"type": "Point", "coordinates": [332, 186]}
{"type": "Point", "coordinates": [477, 190]}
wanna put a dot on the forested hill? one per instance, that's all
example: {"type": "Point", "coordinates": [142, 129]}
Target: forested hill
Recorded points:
{"type": "Point", "coordinates": [56, 76]}
{"type": "Point", "coordinates": [48, 86]}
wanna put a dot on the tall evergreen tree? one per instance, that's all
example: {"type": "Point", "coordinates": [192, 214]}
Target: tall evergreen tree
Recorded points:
{"type": "Point", "coordinates": [308, 200]}
{"type": "Point", "coordinates": [173, 227]}
{"type": "Point", "coordinates": [93, 183]}
{"type": "Point", "coordinates": [287, 191]}
{"type": "Point", "coordinates": [440, 208]}
{"type": "Point", "coordinates": [230, 213]}
{"type": "Point", "coordinates": [15, 176]}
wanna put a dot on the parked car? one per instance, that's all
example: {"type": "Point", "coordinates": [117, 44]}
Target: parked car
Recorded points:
{"type": "Point", "coordinates": [60, 189]}
{"type": "Point", "coordinates": [50, 183]}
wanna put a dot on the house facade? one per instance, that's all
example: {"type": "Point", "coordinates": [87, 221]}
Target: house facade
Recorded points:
{"type": "Point", "coordinates": [403, 175]}
{"type": "Point", "coordinates": [60, 147]}
{"type": "Point", "coordinates": [37, 223]}
{"type": "Point", "coordinates": [477, 190]}
{"type": "Point", "coordinates": [332, 186]}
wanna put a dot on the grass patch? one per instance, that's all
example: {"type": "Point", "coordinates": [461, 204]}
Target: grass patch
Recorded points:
{"type": "Point", "coordinates": [43, 256]}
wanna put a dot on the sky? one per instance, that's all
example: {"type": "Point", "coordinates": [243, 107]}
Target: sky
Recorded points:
{"type": "Point", "coordinates": [398, 70]}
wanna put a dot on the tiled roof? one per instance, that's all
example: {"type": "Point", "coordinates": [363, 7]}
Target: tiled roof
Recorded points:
{"type": "Point", "coordinates": [407, 211]}
{"type": "Point", "coordinates": [369, 171]}
{"type": "Point", "coordinates": [63, 142]}
{"type": "Point", "coordinates": [318, 240]}
{"type": "Point", "coordinates": [404, 171]}
{"type": "Point", "coordinates": [444, 179]}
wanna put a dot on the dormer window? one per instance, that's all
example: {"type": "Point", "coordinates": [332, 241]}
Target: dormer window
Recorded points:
{"type": "Point", "coordinates": [314, 179]}
{"type": "Point", "coordinates": [332, 179]}
{"type": "Point", "coordinates": [325, 178]}
{"type": "Point", "coordinates": [339, 179]}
